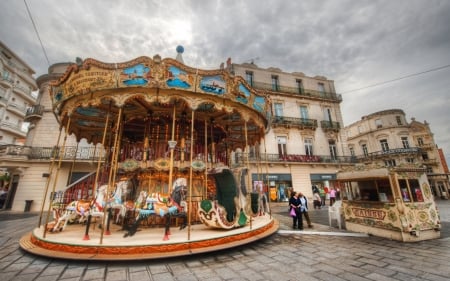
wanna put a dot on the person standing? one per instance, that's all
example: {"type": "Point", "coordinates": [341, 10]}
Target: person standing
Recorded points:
{"type": "Point", "coordinates": [316, 200]}
{"type": "Point", "coordinates": [332, 196]}
{"type": "Point", "coordinates": [304, 208]}
{"type": "Point", "coordinates": [294, 203]}
{"type": "Point", "coordinates": [322, 196]}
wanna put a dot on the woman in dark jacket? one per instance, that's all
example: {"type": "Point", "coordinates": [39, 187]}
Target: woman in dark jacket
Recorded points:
{"type": "Point", "coordinates": [294, 202]}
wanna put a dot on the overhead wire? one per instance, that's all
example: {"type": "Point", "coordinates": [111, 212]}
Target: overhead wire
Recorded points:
{"type": "Point", "coordinates": [37, 32]}
{"type": "Point", "coordinates": [397, 79]}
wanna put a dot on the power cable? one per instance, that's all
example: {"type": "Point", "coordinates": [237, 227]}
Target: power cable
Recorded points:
{"type": "Point", "coordinates": [37, 32]}
{"type": "Point", "coordinates": [397, 79]}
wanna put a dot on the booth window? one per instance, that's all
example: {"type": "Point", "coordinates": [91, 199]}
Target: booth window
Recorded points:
{"type": "Point", "coordinates": [411, 190]}
{"type": "Point", "coordinates": [369, 190]}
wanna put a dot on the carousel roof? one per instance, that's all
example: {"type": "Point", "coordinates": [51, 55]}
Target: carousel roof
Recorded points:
{"type": "Point", "coordinates": [92, 96]}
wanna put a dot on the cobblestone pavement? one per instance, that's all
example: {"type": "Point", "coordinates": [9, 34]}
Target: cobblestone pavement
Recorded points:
{"type": "Point", "coordinates": [286, 255]}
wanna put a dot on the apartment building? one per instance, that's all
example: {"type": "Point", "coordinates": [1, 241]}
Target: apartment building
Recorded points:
{"type": "Point", "coordinates": [303, 147]}
{"type": "Point", "coordinates": [16, 96]}
{"type": "Point", "coordinates": [386, 138]}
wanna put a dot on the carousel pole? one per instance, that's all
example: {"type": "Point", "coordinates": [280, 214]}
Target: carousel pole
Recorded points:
{"type": "Point", "coordinates": [47, 185]}
{"type": "Point", "coordinates": [61, 154]}
{"type": "Point", "coordinates": [267, 178]}
{"type": "Point", "coordinates": [249, 182]}
{"type": "Point", "coordinates": [97, 175]}
{"type": "Point", "coordinates": [204, 195]}
{"type": "Point", "coordinates": [172, 143]}
{"type": "Point", "coordinates": [190, 176]}
{"type": "Point", "coordinates": [113, 167]}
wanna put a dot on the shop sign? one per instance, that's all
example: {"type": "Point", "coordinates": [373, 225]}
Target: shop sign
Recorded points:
{"type": "Point", "coordinates": [369, 213]}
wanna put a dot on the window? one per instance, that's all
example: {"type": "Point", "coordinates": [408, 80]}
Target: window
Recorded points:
{"type": "Point", "coordinates": [249, 77]}
{"type": "Point", "coordinates": [364, 150]}
{"type": "Point", "coordinates": [360, 129]}
{"type": "Point", "coordinates": [308, 147]}
{"type": "Point", "coordinates": [304, 112]}
{"type": "Point", "coordinates": [410, 190]}
{"type": "Point", "coordinates": [390, 163]}
{"type": "Point", "coordinates": [278, 109]}
{"type": "Point", "coordinates": [420, 141]}
{"type": "Point", "coordinates": [299, 83]}
{"type": "Point", "coordinates": [327, 114]}
{"type": "Point", "coordinates": [275, 83]}
{"type": "Point", "coordinates": [332, 146]}
{"type": "Point", "coordinates": [282, 145]}
{"type": "Point", "coordinates": [399, 120]}
{"type": "Point", "coordinates": [352, 151]}
{"type": "Point", "coordinates": [321, 87]}
{"type": "Point", "coordinates": [425, 156]}
{"type": "Point", "coordinates": [378, 123]}
{"type": "Point", "coordinates": [369, 190]}
{"type": "Point", "coordinates": [409, 160]}
{"type": "Point", "coordinates": [405, 142]}
{"type": "Point", "coordinates": [384, 145]}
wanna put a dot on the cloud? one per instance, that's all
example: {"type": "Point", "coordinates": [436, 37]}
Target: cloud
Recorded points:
{"type": "Point", "coordinates": [354, 43]}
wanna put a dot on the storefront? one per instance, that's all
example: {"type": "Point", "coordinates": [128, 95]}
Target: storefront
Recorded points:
{"type": "Point", "coordinates": [276, 186]}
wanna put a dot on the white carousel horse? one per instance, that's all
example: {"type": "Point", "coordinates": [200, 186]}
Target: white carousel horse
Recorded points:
{"type": "Point", "coordinates": [117, 202]}
{"type": "Point", "coordinates": [167, 207]}
{"type": "Point", "coordinates": [81, 209]}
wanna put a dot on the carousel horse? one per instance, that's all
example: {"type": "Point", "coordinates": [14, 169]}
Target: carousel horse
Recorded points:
{"type": "Point", "coordinates": [81, 209]}
{"type": "Point", "coordinates": [117, 203]}
{"type": "Point", "coordinates": [167, 207]}
{"type": "Point", "coordinates": [232, 207]}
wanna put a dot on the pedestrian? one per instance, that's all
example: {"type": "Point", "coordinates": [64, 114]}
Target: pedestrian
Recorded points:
{"type": "Point", "coordinates": [316, 200]}
{"type": "Point", "coordinates": [304, 208]}
{"type": "Point", "coordinates": [322, 196]}
{"type": "Point", "coordinates": [294, 203]}
{"type": "Point", "coordinates": [332, 196]}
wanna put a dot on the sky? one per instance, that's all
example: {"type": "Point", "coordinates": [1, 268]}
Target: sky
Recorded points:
{"type": "Point", "coordinates": [381, 54]}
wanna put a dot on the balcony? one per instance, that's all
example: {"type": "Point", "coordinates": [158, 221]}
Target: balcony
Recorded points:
{"type": "Point", "coordinates": [307, 93]}
{"type": "Point", "coordinates": [328, 126]}
{"type": "Point", "coordinates": [13, 129]}
{"type": "Point", "coordinates": [24, 92]}
{"type": "Point", "coordinates": [34, 113]}
{"type": "Point", "coordinates": [240, 159]}
{"type": "Point", "coordinates": [389, 154]}
{"type": "Point", "coordinates": [291, 122]}
{"type": "Point", "coordinates": [17, 109]}
{"type": "Point", "coordinates": [69, 153]}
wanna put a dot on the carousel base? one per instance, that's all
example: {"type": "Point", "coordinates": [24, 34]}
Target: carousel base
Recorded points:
{"type": "Point", "coordinates": [146, 243]}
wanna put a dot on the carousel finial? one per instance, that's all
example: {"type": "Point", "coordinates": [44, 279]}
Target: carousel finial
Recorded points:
{"type": "Point", "coordinates": [180, 51]}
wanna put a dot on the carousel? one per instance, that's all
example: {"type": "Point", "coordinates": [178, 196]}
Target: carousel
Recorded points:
{"type": "Point", "coordinates": [171, 174]}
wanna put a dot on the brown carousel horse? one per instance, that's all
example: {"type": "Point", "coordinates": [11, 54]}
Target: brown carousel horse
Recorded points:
{"type": "Point", "coordinates": [166, 207]}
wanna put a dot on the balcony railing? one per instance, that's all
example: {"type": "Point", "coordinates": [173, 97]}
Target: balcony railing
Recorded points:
{"type": "Point", "coordinates": [390, 153]}
{"type": "Point", "coordinates": [298, 91]}
{"type": "Point", "coordinates": [241, 159]}
{"type": "Point", "coordinates": [34, 112]}
{"type": "Point", "coordinates": [302, 123]}
{"type": "Point", "coordinates": [46, 153]}
{"type": "Point", "coordinates": [330, 125]}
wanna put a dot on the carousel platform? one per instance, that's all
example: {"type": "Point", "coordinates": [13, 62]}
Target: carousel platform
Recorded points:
{"type": "Point", "coordinates": [146, 243]}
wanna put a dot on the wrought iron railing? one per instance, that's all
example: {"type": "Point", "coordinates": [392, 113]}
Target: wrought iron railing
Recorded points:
{"type": "Point", "coordinates": [294, 122]}
{"type": "Point", "coordinates": [298, 91]}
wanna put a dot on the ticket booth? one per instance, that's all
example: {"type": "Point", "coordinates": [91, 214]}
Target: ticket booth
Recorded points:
{"type": "Point", "coordinates": [394, 203]}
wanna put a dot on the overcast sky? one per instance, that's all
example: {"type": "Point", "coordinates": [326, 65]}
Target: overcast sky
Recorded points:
{"type": "Point", "coordinates": [356, 43]}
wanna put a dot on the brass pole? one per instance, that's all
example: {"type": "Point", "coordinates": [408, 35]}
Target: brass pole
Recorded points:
{"type": "Point", "coordinates": [204, 195]}
{"type": "Point", "coordinates": [190, 177]}
{"type": "Point", "coordinates": [47, 184]}
{"type": "Point", "coordinates": [113, 171]}
{"type": "Point", "coordinates": [61, 154]}
{"type": "Point", "coordinates": [171, 150]}
{"type": "Point", "coordinates": [248, 166]}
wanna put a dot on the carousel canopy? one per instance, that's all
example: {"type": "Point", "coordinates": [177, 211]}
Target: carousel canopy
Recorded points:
{"type": "Point", "coordinates": [146, 94]}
